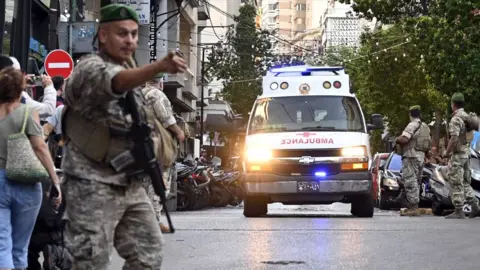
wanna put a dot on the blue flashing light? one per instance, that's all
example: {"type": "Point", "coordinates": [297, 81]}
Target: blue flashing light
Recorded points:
{"type": "Point", "coordinates": [320, 174]}
{"type": "Point", "coordinates": [304, 70]}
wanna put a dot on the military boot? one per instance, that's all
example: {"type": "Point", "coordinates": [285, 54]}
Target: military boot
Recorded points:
{"type": "Point", "coordinates": [458, 214]}
{"type": "Point", "coordinates": [410, 212]}
{"type": "Point", "coordinates": [475, 211]}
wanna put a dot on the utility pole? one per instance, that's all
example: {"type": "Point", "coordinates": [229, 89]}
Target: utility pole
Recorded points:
{"type": "Point", "coordinates": [202, 93]}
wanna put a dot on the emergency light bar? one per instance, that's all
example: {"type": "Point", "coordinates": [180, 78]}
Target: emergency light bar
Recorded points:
{"type": "Point", "coordinates": [305, 70]}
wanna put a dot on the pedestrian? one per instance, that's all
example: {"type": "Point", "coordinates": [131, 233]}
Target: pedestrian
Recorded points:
{"type": "Point", "coordinates": [52, 131]}
{"type": "Point", "coordinates": [19, 201]}
{"type": "Point", "coordinates": [459, 161]}
{"type": "Point", "coordinates": [45, 108]}
{"type": "Point", "coordinates": [162, 109]}
{"type": "Point", "coordinates": [415, 141]}
{"type": "Point", "coordinates": [107, 206]}
{"type": "Point", "coordinates": [59, 84]}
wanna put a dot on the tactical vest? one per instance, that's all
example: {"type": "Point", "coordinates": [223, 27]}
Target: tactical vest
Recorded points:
{"type": "Point", "coordinates": [423, 140]}
{"type": "Point", "coordinates": [105, 143]}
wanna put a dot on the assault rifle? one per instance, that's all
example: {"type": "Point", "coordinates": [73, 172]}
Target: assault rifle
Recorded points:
{"type": "Point", "coordinates": [143, 151]}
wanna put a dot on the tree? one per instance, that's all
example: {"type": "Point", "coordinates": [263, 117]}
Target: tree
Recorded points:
{"type": "Point", "coordinates": [388, 12]}
{"type": "Point", "coordinates": [244, 62]}
{"type": "Point", "coordinates": [388, 82]}
{"type": "Point", "coordinates": [449, 40]}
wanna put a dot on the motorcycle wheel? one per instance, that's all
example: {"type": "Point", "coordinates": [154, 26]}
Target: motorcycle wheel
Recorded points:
{"type": "Point", "coordinates": [186, 198]}
{"type": "Point", "coordinates": [437, 209]}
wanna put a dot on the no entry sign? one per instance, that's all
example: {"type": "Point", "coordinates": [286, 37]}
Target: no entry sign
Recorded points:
{"type": "Point", "coordinates": [59, 63]}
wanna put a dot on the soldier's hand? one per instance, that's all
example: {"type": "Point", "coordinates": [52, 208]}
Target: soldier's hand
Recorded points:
{"type": "Point", "coordinates": [172, 63]}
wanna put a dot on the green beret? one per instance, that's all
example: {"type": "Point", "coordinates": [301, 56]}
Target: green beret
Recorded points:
{"type": "Point", "coordinates": [415, 107]}
{"type": "Point", "coordinates": [159, 75]}
{"type": "Point", "coordinates": [117, 12]}
{"type": "Point", "coordinates": [458, 97]}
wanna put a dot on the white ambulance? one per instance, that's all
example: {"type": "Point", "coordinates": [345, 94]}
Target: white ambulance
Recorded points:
{"type": "Point", "coordinates": [307, 142]}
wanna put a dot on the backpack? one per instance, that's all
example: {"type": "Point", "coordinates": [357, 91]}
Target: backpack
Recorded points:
{"type": "Point", "coordinates": [423, 140]}
{"type": "Point", "coordinates": [472, 122]}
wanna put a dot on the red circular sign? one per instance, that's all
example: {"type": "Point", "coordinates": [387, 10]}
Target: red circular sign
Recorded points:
{"type": "Point", "coordinates": [58, 63]}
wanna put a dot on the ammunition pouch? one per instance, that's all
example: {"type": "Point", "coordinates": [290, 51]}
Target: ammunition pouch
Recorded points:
{"type": "Point", "coordinates": [97, 141]}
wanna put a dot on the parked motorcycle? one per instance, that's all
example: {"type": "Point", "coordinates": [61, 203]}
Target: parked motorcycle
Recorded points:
{"type": "Point", "coordinates": [441, 190]}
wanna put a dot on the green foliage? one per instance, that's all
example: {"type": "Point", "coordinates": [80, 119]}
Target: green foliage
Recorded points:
{"type": "Point", "coordinates": [388, 12]}
{"type": "Point", "coordinates": [388, 82]}
{"type": "Point", "coordinates": [242, 64]}
{"type": "Point", "coordinates": [450, 42]}
{"type": "Point", "coordinates": [6, 45]}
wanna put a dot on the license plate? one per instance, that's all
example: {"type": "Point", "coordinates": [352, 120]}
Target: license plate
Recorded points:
{"type": "Point", "coordinates": [308, 186]}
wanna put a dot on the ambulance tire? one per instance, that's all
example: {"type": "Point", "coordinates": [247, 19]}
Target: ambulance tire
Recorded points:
{"type": "Point", "coordinates": [254, 206]}
{"type": "Point", "coordinates": [362, 206]}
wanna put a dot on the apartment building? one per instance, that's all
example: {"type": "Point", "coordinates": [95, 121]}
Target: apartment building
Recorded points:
{"type": "Point", "coordinates": [341, 27]}
{"type": "Point", "coordinates": [285, 18]}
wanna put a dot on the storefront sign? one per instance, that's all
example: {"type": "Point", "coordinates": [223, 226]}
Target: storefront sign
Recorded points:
{"type": "Point", "coordinates": [152, 38]}
{"type": "Point", "coordinates": [142, 7]}
{"type": "Point", "coordinates": [37, 50]}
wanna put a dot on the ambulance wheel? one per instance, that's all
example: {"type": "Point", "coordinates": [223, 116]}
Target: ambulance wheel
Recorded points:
{"type": "Point", "coordinates": [362, 206]}
{"type": "Point", "coordinates": [254, 206]}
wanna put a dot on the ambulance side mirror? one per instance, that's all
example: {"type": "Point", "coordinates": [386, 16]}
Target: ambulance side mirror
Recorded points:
{"type": "Point", "coordinates": [376, 122]}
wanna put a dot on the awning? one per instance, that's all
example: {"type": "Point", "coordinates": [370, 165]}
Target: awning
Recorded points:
{"type": "Point", "coordinates": [219, 123]}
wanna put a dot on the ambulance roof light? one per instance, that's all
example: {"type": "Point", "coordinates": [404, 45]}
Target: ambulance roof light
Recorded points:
{"type": "Point", "coordinates": [305, 70]}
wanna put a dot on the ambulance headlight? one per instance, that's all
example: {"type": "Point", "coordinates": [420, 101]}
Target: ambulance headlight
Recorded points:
{"type": "Point", "coordinates": [258, 154]}
{"type": "Point", "coordinates": [354, 151]}
{"type": "Point", "coordinates": [274, 86]}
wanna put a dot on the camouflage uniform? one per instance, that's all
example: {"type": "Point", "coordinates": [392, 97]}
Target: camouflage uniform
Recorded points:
{"type": "Point", "coordinates": [105, 208]}
{"type": "Point", "coordinates": [459, 164]}
{"type": "Point", "coordinates": [412, 164]}
{"type": "Point", "coordinates": [164, 113]}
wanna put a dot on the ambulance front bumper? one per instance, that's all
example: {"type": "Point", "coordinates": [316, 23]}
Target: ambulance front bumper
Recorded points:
{"type": "Point", "coordinates": [345, 183]}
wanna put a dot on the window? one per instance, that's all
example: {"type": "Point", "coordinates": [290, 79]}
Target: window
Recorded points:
{"type": "Point", "coordinates": [395, 164]}
{"type": "Point", "coordinates": [301, 7]}
{"type": "Point", "coordinates": [273, 6]}
{"type": "Point", "coordinates": [306, 113]}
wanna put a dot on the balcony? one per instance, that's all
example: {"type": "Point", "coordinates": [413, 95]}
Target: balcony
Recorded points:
{"type": "Point", "coordinates": [203, 12]}
{"type": "Point", "coordinates": [174, 80]}
{"type": "Point", "coordinates": [202, 24]}
{"type": "Point", "coordinates": [190, 90]}
{"type": "Point", "coordinates": [299, 14]}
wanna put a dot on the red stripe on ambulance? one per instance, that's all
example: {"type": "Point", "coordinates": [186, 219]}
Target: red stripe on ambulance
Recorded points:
{"type": "Point", "coordinates": [307, 141]}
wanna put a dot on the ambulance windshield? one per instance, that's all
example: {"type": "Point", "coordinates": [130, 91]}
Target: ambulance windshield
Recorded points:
{"type": "Point", "coordinates": [306, 113]}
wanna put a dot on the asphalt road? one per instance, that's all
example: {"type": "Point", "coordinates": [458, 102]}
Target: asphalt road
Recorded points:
{"type": "Point", "coordinates": [317, 237]}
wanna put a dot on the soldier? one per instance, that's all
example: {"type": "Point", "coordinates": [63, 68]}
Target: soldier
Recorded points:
{"type": "Point", "coordinates": [459, 163]}
{"type": "Point", "coordinates": [162, 110]}
{"type": "Point", "coordinates": [107, 206]}
{"type": "Point", "coordinates": [415, 142]}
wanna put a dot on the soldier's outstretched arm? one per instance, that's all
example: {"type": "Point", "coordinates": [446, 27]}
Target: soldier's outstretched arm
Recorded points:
{"type": "Point", "coordinates": [128, 79]}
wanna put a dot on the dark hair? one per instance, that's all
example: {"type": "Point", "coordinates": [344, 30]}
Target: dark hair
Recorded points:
{"type": "Point", "coordinates": [459, 104]}
{"type": "Point", "coordinates": [58, 82]}
{"type": "Point", "coordinates": [11, 85]}
{"type": "Point", "coordinates": [5, 62]}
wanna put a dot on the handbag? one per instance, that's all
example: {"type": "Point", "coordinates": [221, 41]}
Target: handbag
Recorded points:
{"type": "Point", "coordinates": [23, 165]}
